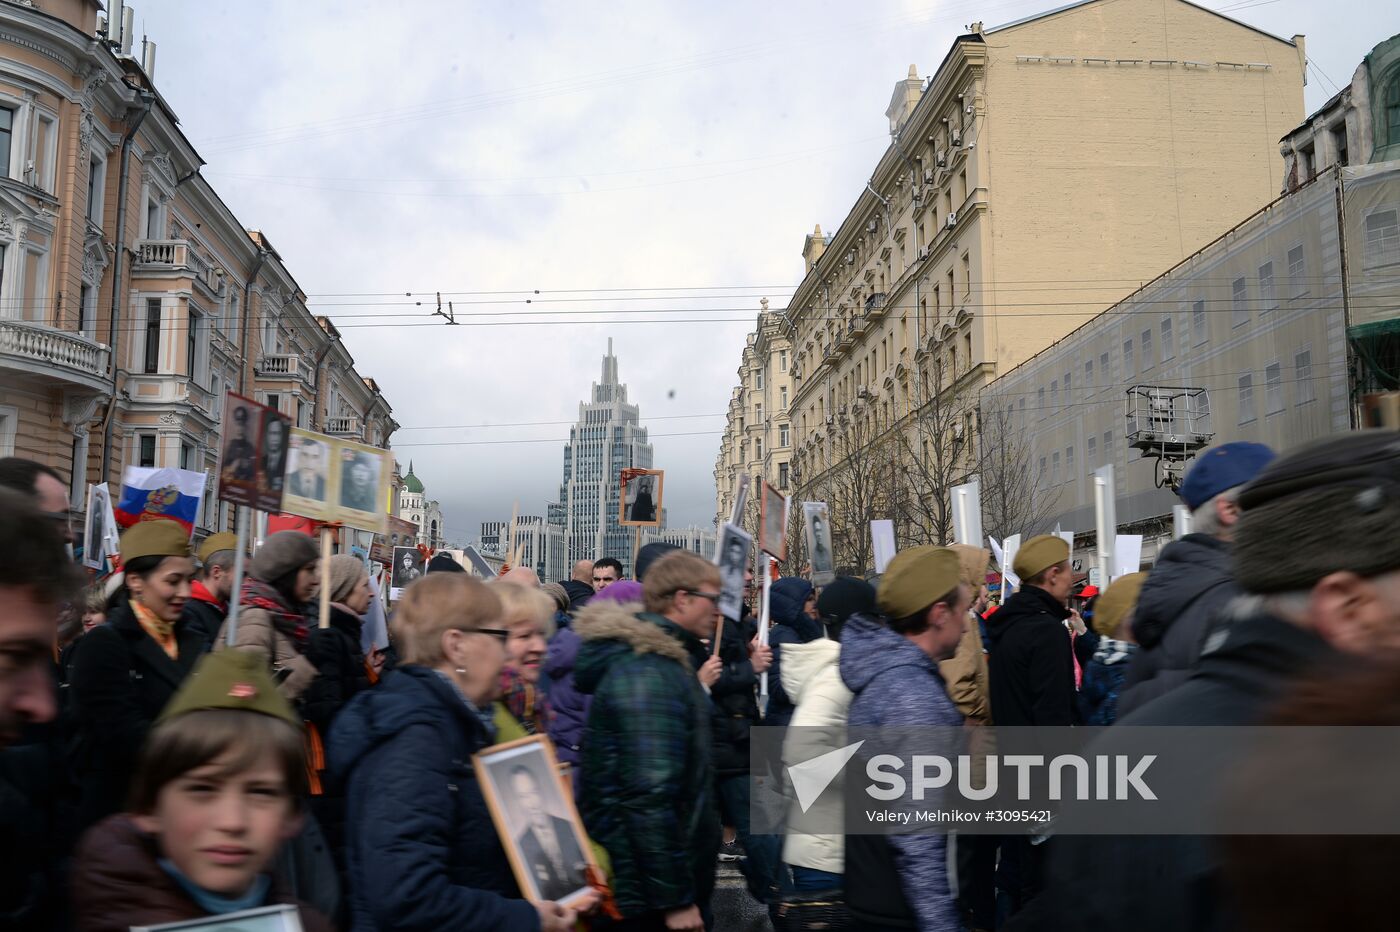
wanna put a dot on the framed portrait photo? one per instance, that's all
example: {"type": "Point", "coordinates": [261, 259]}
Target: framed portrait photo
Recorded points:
{"type": "Point", "coordinates": [817, 527]}
{"type": "Point", "coordinates": [732, 558]}
{"type": "Point", "coordinates": [772, 521]}
{"type": "Point", "coordinates": [284, 918]}
{"type": "Point", "coordinates": [641, 497]}
{"type": "Point", "coordinates": [535, 817]}
{"type": "Point", "coordinates": [407, 566]}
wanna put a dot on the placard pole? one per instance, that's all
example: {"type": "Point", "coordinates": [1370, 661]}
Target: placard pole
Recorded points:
{"type": "Point", "coordinates": [245, 518]}
{"type": "Point", "coordinates": [325, 618]}
{"type": "Point", "coordinates": [763, 628]}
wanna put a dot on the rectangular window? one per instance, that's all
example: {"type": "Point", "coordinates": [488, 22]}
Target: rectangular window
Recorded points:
{"type": "Point", "coordinates": [1168, 348]}
{"type": "Point", "coordinates": [1273, 388]}
{"type": "Point", "coordinates": [274, 401]}
{"type": "Point", "coordinates": [1105, 372]}
{"type": "Point", "coordinates": [1198, 322]}
{"type": "Point", "coordinates": [1055, 395]}
{"type": "Point", "coordinates": [185, 456]}
{"type": "Point", "coordinates": [1068, 400]}
{"type": "Point", "coordinates": [1297, 271]}
{"type": "Point", "coordinates": [1239, 302]}
{"type": "Point", "coordinates": [1089, 376]}
{"type": "Point", "coordinates": [782, 397]}
{"type": "Point", "coordinates": [1267, 301]}
{"type": "Point", "coordinates": [45, 152]}
{"type": "Point", "coordinates": [84, 296]}
{"type": "Point", "coordinates": [1302, 374]}
{"type": "Point", "coordinates": [1044, 470]}
{"type": "Point", "coordinates": [1148, 361]}
{"type": "Point", "coordinates": [1339, 143]}
{"type": "Point", "coordinates": [96, 171]}
{"type": "Point", "coordinates": [1091, 449]}
{"type": "Point", "coordinates": [758, 380]}
{"type": "Point", "coordinates": [758, 414]}
{"type": "Point", "coordinates": [192, 349]}
{"type": "Point", "coordinates": [782, 360]}
{"type": "Point", "coordinates": [1108, 446]}
{"type": "Point", "coordinates": [1040, 399]}
{"type": "Point", "coordinates": [1069, 464]}
{"type": "Point", "coordinates": [783, 436]}
{"type": "Point", "coordinates": [967, 275]}
{"type": "Point", "coordinates": [1383, 238]}
{"type": "Point", "coordinates": [757, 449]}
{"type": "Point", "coordinates": [782, 475]}
{"type": "Point", "coordinates": [147, 447]}
{"type": "Point", "coordinates": [7, 132]}
{"type": "Point", "coordinates": [152, 358]}
{"type": "Point", "coordinates": [1055, 468]}
{"type": "Point", "coordinates": [1246, 386]}
{"type": "Point", "coordinates": [1127, 360]}
{"type": "Point", "coordinates": [152, 219]}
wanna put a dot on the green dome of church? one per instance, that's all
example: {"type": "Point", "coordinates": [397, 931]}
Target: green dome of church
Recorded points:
{"type": "Point", "coordinates": [411, 482]}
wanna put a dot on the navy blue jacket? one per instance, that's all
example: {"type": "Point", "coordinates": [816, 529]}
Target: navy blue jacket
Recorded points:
{"type": "Point", "coordinates": [791, 625]}
{"type": "Point", "coordinates": [422, 853]}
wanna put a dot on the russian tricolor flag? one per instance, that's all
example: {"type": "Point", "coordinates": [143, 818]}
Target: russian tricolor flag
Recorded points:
{"type": "Point", "coordinates": [149, 494]}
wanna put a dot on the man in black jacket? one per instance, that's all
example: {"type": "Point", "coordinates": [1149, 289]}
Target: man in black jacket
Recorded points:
{"type": "Point", "coordinates": [1318, 558]}
{"type": "Point", "coordinates": [580, 587]}
{"type": "Point", "coordinates": [1192, 579]}
{"type": "Point", "coordinates": [210, 592]}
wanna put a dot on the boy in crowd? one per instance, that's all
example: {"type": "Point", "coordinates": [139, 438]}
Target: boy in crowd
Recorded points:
{"type": "Point", "coordinates": [218, 790]}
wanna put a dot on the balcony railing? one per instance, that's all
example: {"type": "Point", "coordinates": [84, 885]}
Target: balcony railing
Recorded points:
{"type": "Point", "coordinates": [62, 350]}
{"type": "Point", "coordinates": [875, 306]}
{"type": "Point", "coordinates": [285, 366]}
{"type": "Point", "coordinates": [343, 426]}
{"type": "Point", "coordinates": [175, 255]}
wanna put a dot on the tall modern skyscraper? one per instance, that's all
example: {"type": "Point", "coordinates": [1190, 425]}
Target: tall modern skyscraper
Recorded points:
{"type": "Point", "coordinates": [607, 439]}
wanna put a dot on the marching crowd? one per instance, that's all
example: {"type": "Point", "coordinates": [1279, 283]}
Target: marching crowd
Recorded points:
{"type": "Point", "coordinates": [160, 764]}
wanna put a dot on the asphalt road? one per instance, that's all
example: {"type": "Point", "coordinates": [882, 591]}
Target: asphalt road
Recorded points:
{"type": "Point", "coordinates": [734, 909]}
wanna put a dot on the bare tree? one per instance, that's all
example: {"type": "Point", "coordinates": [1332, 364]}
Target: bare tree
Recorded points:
{"type": "Point", "coordinates": [938, 450]}
{"type": "Point", "coordinates": [1015, 497]}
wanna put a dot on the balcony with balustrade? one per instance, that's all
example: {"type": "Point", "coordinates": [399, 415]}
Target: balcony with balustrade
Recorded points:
{"type": "Point", "coordinates": [177, 257]}
{"type": "Point", "coordinates": [40, 355]}
{"type": "Point", "coordinates": [351, 427]}
{"type": "Point", "coordinates": [283, 366]}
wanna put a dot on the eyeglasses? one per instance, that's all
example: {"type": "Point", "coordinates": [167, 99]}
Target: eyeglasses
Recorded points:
{"type": "Point", "coordinates": [501, 633]}
{"type": "Point", "coordinates": [712, 596]}
{"type": "Point", "coordinates": [64, 519]}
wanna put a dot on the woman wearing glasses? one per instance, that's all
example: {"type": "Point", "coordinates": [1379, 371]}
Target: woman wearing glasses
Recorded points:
{"type": "Point", "coordinates": [421, 851]}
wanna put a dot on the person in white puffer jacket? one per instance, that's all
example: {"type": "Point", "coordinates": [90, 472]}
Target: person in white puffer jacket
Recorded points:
{"type": "Point", "coordinates": [812, 678]}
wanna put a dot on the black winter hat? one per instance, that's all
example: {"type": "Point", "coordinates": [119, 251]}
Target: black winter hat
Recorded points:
{"type": "Point", "coordinates": [443, 563]}
{"type": "Point", "coordinates": [650, 554]}
{"type": "Point", "coordinates": [846, 596]}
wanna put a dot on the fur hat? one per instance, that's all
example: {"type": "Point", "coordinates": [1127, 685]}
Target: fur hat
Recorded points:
{"type": "Point", "coordinates": [281, 554]}
{"type": "Point", "coordinates": [1327, 506]}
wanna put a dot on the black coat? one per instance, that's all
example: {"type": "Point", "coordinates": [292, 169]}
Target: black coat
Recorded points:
{"type": "Point", "coordinates": [1030, 663]}
{"type": "Point", "coordinates": [205, 618]}
{"type": "Point", "coordinates": [579, 593]}
{"type": "Point", "coordinates": [791, 625]}
{"type": "Point", "coordinates": [1186, 590]}
{"type": "Point", "coordinates": [422, 850]}
{"type": "Point", "coordinates": [121, 680]}
{"type": "Point", "coordinates": [1164, 883]}
{"type": "Point", "coordinates": [732, 697]}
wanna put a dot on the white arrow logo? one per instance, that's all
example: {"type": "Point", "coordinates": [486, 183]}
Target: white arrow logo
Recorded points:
{"type": "Point", "coordinates": [811, 777]}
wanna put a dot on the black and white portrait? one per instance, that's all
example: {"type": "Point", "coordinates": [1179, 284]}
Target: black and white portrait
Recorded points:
{"type": "Point", "coordinates": [272, 459]}
{"type": "Point", "coordinates": [408, 566]}
{"type": "Point", "coordinates": [536, 820]}
{"type": "Point", "coordinates": [359, 481]}
{"type": "Point", "coordinates": [733, 560]}
{"type": "Point", "coordinates": [772, 523]}
{"type": "Point", "coordinates": [95, 528]}
{"type": "Point", "coordinates": [307, 478]}
{"type": "Point", "coordinates": [818, 534]}
{"type": "Point", "coordinates": [641, 497]}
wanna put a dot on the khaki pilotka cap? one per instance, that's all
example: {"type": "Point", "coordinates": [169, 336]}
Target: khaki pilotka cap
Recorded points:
{"type": "Point", "coordinates": [1039, 554]}
{"type": "Point", "coordinates": [915, 579]}
{"type": "Point", "coordinates": [235, 680]}
{"type": "Point", "coordinates": [1116, 602]}
{"type": "Point", "coordinates": [217, 543]}
{"type": "Point", "coordinates": [159, 538]}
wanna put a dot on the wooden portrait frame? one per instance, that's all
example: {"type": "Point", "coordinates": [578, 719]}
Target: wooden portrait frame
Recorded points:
{"type": "Point", "coordinates": [629, 476]}
{"type": "Point", "coordinates": [766, 500]}
{"type": "Point", "coordinates": [547, 768]}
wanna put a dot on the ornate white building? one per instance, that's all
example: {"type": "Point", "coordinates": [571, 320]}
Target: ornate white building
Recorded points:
{"type": "Point", "coordinates": [414, 506]}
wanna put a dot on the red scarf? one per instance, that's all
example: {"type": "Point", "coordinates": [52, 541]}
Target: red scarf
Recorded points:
{"type": "Point", "coordinates": [258, 594]}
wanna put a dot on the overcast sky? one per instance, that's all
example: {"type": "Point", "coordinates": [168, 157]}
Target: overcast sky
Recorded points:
{"type": "Point", "coordinates": [493, 147]}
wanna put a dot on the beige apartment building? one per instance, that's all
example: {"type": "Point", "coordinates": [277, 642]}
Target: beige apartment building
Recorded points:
{"type": "Point", "coordinates": [131, 297]}
{"type": "Point", "coordinates": [758, 432]}
{"type": "Point", "coordinates": [1044, 170]}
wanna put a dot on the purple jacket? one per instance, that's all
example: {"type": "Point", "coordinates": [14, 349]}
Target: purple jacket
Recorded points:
{"type": "Point", "coordinates": [570, 706]}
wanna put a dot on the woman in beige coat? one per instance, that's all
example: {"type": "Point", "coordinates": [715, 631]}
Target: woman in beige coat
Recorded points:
{"type": "Point", "coordinates": [271, 620]}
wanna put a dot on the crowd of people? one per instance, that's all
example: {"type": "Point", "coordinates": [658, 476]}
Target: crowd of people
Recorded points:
{"type": "Point", "coordinates": [162, 762]}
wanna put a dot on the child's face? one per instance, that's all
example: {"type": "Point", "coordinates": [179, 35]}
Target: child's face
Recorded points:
{"type": "Point", "coordinates": [222, 830]}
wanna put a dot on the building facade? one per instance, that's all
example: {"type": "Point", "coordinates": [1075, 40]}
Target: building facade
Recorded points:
{"type": "Point", "coordinates": [607, 439]}
{"type": "Point", "coordinates": [757, 439]}
{"type": "Point", "coordinates": [1044, 170]}
{"type": "Point", "coordinates": [695, 539]}
{"type": "Point", "coordinates": [539, 544]}
{"type": "Point", "coordinates": [426, 514]}
{"type": "Point", "coordinates": [131, 297]}
{"type": "Point", "coordinates": [1257, 321]}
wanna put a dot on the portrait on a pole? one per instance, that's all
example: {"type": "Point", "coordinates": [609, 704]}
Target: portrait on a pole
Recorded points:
{"type": "Point", "coordinates": [772, 521]}
{"type": "Point", "coordinates": [817, 530]}
{"type": "Point", "coordinates": [641, 497]}
{"type": "Point", "coordinates": [732, 556]}
{"type": "Point", "coordinates": [307, 478]}
{"type": "Point", "coordinates": [408, 566]}
{"type": "Point", "coordinates": [536, 820]}
{"type": "Point", "coordinates": [254, 458]}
